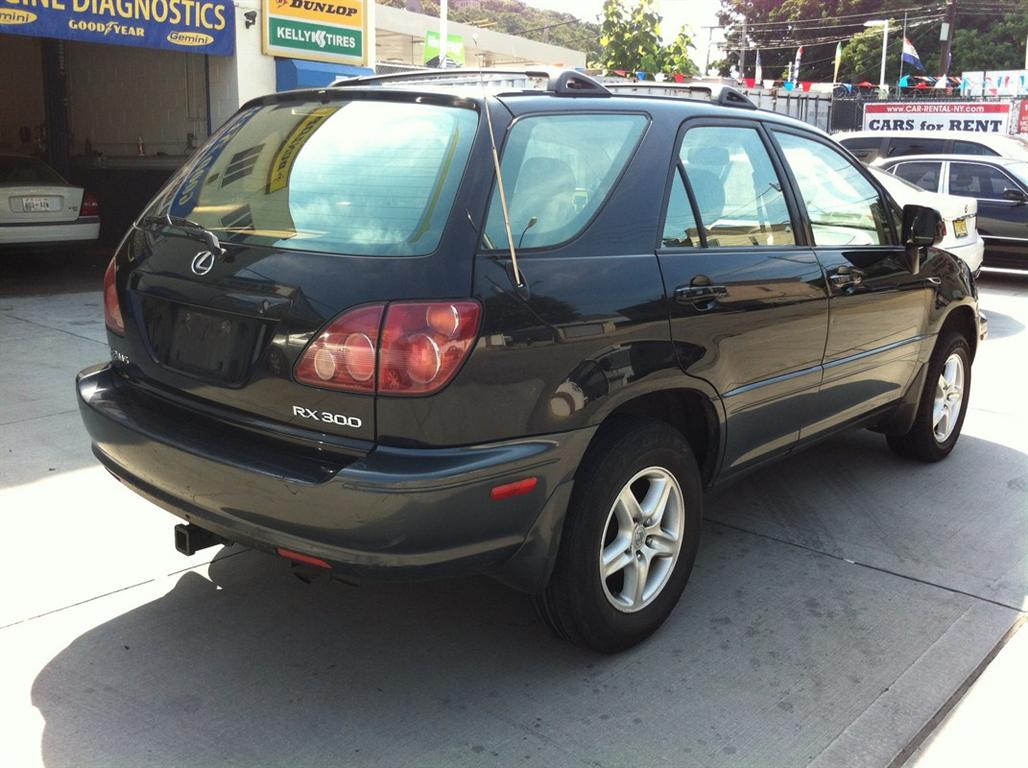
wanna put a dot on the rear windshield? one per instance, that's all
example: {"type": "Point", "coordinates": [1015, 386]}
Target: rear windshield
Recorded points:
{"type": "Point", "coordinates": [27, 170]}
{"type": "Point", "coordinates": [359, 177]}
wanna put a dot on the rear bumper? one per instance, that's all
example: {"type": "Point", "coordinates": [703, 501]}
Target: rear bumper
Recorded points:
{"type": "Point", "coordinates": [971, 252]}
{"type": "Point", "coordinates": [392, 513]}
{"type": "Point", "coordinates": [83, 230]}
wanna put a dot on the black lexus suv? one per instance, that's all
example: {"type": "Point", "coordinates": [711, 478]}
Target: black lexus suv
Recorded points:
{"type": "Point", "coordinates": [513, 324]}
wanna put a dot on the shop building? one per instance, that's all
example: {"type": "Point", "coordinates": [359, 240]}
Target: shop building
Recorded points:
{"type": "Point", "coordinates": [117, 94]}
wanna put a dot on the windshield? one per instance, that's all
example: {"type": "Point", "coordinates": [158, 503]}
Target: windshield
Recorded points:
{"type": "Point", "coordinates": [1020, 171]}
{"type": "Point", "coordinates": [358, 177]}
{"type": "Point", "coordinates": [15, 169]}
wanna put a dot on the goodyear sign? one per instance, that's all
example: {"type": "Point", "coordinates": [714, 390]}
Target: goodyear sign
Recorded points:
{"type": "Point", "coordinates": [285, 156]}
{"type": "Point", "coordinates": [200, 26]}
{"type": "Point", "coordinates": [319, 30]}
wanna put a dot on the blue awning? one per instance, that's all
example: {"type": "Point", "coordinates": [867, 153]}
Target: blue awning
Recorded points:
{"type": "Point", "coordinates": [293, 73]}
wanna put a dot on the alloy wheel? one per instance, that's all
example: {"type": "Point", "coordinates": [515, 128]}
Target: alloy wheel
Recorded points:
{"type": "Point", "coordinates": [642, 539]}
{"type": "Point", "coordinates": [949, 396]}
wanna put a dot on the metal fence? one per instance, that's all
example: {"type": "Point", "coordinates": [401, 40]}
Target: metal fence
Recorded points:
{"type": "Point", "coordinates": [813, 108]}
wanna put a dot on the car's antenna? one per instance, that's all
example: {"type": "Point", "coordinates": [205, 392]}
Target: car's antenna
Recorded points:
{"type": "Point", "coordinates": [518, 280]}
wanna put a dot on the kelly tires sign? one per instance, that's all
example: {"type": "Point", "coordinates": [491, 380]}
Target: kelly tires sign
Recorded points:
{"type": "Point", "coordinates": [970, 116]}
{"type": "Point", "coordinates": [197, 26]}
{"type": "Point", "coordinates": [319, 30]}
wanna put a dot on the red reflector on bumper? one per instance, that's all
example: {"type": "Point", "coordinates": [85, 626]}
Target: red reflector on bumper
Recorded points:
{"type": "Point", "coordinates": [296, 557]}
{"type": "Point", "coordinates": [519, 488]}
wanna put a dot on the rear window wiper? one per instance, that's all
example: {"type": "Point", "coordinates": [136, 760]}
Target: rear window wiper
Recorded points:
{"type": "Point", "coordinates": [189, 228]}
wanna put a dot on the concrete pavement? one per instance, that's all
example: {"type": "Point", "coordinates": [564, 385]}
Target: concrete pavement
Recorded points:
{"type": "Point", "coordinates": [838, 602]}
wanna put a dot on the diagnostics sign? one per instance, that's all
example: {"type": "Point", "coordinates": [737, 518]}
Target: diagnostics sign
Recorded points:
{"type": "Point", "coordinates": [320, 30]}
{"type": "Point", "coordinates": [200, 26]}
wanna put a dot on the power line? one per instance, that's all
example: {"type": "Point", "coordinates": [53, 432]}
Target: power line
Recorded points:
{"type": "Point", "coordinates": [820, 21]}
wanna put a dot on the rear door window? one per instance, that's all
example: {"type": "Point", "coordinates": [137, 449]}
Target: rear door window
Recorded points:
{"type": "Point", "coordinates": [912, 145]}
{"type": "Point", "coordinates": [680, 230]}
{"type": "Point", "coordinates": [557, 171]}
{"type": "Point", "coordinates": [738, 194]}
{"type": "Point", "coordinates": [361, 177]}
{"type": "Point", "coordinates": [923, 174]}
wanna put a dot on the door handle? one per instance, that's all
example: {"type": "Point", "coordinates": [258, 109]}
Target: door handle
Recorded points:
{"type": "Point", "coordinates": [690, 293]}
{"type": "Point", "coordinates": [846, 279]}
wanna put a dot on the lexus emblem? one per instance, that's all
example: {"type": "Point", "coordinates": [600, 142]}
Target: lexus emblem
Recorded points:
{"type": "Point", "coordinates": [203, 263]}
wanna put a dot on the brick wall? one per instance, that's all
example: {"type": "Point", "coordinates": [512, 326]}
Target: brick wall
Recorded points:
{"type": "Point", "coordinates": [21, 90]}
{"type": "Point", "coordinates": [117, 93]}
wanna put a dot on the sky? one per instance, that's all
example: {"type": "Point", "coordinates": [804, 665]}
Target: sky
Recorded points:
{"type": "Point", "coordinates": [677, 13]}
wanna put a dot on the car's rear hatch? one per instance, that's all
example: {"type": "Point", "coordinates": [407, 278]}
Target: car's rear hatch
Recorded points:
{"type": "Point", "coordinates": [321, 205]}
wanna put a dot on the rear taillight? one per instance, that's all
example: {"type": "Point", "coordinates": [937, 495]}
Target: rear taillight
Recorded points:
{"type": "Point", "coordinates": [112, 309]}
{"type": "Point", "coordinates": [90, 205]}
{"type": "Point", "coordinates": [419, 349]}
{"type": "Point", "coordinates": [424, 344]}
{"type": "Point", "coordinates": [343, 355]}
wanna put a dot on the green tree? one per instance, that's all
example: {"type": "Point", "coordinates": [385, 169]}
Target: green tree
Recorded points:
{"type": "Point", "coordinates": [630, 40]}
{"type": "Point", "coordinates": [677, 57]}
{"type": "Point", "coordinates": [983, 40]}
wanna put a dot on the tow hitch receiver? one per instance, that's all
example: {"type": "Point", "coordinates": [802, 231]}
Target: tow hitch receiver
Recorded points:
{"type": "Point", "coordinates": [190, 538]}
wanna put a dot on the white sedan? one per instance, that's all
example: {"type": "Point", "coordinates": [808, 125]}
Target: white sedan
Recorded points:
{"type": "Point", "coordinates": [39, 208]}
{"type": "Point", "coordinates": [959, 217]}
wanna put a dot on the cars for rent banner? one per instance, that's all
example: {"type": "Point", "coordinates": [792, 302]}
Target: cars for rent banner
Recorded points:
{"type": "Point", "coordinates": [318, 30]}
{"type": "Point", "coordinates": [971, 116]}
{"type": "Point", "coordinates": [198, 26]}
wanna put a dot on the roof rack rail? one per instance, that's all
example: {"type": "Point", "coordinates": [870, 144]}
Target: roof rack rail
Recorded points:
{"type": "Point", "coordinates": [725, 95]}
{"type": "Point", "coordinates": [560, 82]}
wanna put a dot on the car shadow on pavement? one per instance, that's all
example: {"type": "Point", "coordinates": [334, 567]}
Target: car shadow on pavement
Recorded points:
{"type": "Point", "coordinates": [774, 651]}
{"type": "Point", "coordinates": [1001, 326]}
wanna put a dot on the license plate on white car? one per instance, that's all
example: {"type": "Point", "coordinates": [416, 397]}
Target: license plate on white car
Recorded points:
{"type": "Point", "coordinates": [34, 204]}
{"type": "Point", "coordinates": [960, 228]}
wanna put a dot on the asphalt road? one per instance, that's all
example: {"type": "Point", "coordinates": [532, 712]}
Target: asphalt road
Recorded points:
{"type": "Point", "coordinates": [841, 602]}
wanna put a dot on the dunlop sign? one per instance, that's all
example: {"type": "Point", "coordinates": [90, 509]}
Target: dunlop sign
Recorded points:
{"type": "Point", "coordinates": [320, 30]}
{"type": "Point", "coordinates": [199, 26]}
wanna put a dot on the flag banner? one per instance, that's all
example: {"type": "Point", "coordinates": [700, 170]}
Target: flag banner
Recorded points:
{"type": "Point", "coordinates": [910, 55]}
{"type": "Point", "coordinates": [796, 64]}
{"type": "Point", "coordinates": [838, 61]}
{"type": "Point", "coordinates": [758, 71]}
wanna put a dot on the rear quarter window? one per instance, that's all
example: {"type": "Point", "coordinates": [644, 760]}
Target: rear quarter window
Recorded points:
{"type": "Point", "coordinates": [972, 148]}
{"type": "Point", "coordinates": [557, 171]}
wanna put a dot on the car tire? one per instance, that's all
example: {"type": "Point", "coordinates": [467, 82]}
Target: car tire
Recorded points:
{"type": "Point", "coordinates": [943, 405]}
{"type": "Point", "coordinates": [655, 551]}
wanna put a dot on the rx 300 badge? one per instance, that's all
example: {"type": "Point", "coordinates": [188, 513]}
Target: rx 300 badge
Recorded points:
{"type": "Point", "coordinates": [338, 419]}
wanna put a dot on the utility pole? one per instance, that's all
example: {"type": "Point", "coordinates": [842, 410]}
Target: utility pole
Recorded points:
{"type": "Point", "coordinates": [946, 36]}
{"type": "Point", "coordinates": [742, 50]}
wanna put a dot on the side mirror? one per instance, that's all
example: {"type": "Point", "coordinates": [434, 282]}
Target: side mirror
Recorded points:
{"type": "Point", "coordinates": [921, 228]}
{"type": "Point", "coordinates": [1015, 195]}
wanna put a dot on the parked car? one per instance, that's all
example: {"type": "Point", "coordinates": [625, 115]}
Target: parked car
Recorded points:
{"type": "Point", "coordinates": [959, 230]}
{"type": "Point", "coordinates": [1000, 185]}
{"type": "Point", "coordinates": [339, 335]}
{"type": "Point", "coordinates": [38, 208]}
{"type": "Point", "coordinates": [870, 146]}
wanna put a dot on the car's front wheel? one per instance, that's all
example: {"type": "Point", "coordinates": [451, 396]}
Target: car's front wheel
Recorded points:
{"type": "Point", "coordinates": [940, 415]}
{"type": "Point", "coordinates": [630, 537]}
